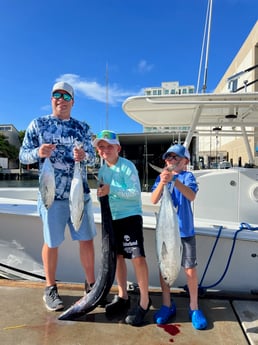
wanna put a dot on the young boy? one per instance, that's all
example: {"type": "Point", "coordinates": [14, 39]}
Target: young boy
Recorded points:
{"type": "Point", "coordinates": [184, 191]}
{"type": "Point", "coordinates": [120, 181]}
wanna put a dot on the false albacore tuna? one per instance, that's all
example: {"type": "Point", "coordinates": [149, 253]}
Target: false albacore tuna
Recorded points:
{"type": "Point", "coordinates": [47, 185]}
{"type": "Point", "coordinates": [168, 241]}
{"type": "Point", "coordinates": [106, 273]}
{"type": "Point", "coordinates": [76, 197]}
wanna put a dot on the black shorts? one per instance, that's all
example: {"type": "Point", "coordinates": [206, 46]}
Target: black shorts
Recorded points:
{"type": "Point", "coordinates": [129, 236]}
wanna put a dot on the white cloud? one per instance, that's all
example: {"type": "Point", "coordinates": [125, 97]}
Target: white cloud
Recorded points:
{"type": "Point", "coordinates": [96, 91]}
{"type": "Point", "coordinates": [143, 66]}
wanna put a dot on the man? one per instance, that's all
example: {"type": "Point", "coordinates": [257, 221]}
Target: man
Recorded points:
{"type": "Point", "coordinates": [55, 136]}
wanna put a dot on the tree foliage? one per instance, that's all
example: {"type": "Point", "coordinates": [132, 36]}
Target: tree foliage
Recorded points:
{"type": "Point", "coordinates": [21, 135]}
{"type": "Point", "coordinates": [7, 150]}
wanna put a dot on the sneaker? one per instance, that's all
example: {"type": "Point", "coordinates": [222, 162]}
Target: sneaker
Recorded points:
{"type": "Point", "coordinates": [198, 319]}
{"type": "Point", "coordinates": [136, 316]}
{"type": "Point", "coordinates": [164, 314]}
{"type": "Point", "coordinates": [117, 305]}
{"type": "Point", "coordinates": [51, 298]}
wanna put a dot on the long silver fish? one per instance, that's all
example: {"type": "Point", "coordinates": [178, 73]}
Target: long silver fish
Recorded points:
{"type": "Point", "coordinates": [106, 273]}
{"type": "Point", "coordinates": [76, 197]}
{"type": "Point", "coordinates": [168, 241]}
{"type": "Point", "coordinates": [47, 185]}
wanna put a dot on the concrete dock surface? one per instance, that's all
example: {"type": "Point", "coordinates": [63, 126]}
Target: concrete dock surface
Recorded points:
{"type": "Point", "coordinates": [25, 320]}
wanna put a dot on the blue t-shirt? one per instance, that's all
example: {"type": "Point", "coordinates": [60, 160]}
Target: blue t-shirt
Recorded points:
{"type": "Point", "coordinates": [64, 134]}
{"type": "Point", "coordinates": [125, 188]}
{"type": "Point", "coordinates": [181, 203]}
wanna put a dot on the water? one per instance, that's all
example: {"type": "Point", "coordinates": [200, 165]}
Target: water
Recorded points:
{"type": "Point", "coordinates": [32, 183]}
{"type": "Point", "coordinates": [18, 183]}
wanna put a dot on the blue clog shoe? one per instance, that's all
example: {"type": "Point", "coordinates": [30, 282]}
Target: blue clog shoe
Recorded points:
{"type": "Point", "coordinates": [198, 319]}
{"type": "Point", "coordinates": [164, 314]}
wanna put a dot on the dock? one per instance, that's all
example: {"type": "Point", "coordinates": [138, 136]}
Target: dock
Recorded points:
{"type": "Point", "coordinates": [18, 174]}
{"type": "Point", "coordinates": [25, 320]}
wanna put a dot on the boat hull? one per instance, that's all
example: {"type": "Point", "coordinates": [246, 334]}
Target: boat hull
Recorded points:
{"type": "Point", "coordinates": [21, 224]}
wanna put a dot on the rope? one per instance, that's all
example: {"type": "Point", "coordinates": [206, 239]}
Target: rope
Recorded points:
{"type": "Point", "coordinates": [243, 226]}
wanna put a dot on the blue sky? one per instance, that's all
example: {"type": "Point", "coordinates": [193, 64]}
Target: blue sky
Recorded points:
{"type": "Point", "coordinates": [143, 43]}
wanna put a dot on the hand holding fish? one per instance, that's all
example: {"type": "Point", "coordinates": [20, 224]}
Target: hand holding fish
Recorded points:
{"type": "Point", "coordinates": [166, 176]}
{"type": "Point", "coordinates": [79, 154]}
{"type": "Point", "coordinates": [45, 150]}
{"type": "Point", "coordinates": [103, 190]}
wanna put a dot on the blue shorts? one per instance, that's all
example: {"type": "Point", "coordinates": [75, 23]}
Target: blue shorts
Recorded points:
{"type": "Point", "coordinates": [57, 217]}
{"type": "Point", "coordinates": [189, 252]}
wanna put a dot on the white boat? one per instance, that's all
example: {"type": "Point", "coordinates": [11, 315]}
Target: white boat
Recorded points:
{"type": "Point", "coordinates": [227, 200]}
{"type": "Point", "coordinates": [225, 209]}
{"type": "Point", "coordinates": [227, 254]}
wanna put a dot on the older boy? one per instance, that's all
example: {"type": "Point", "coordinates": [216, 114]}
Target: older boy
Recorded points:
{"type": "Point", "coordinates": [120, 182]}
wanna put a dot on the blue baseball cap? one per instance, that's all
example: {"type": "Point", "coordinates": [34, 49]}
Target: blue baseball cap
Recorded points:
{"type": "Point", "coordinates": [179, 150]}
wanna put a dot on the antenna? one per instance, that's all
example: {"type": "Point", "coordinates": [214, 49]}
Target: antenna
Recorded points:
{"type": "Point", "coordinates": [206, 38]}
{"type": "Point", "coordinates": [106, 95]}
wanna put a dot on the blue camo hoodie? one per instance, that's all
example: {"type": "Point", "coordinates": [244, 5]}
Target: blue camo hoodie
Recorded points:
{"type": "Point", "coordinates": [64, 134]}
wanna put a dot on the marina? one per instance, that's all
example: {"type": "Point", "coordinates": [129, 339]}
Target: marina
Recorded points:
{"type": "Point", "coordinates": [226, 227]}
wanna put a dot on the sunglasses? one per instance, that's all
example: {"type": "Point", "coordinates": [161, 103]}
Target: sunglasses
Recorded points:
{"type": "Point", "coordinates": [107, 135]}
{"type": "Point", "coordinates": [171, 157]}
{"type": "Point", "coordinates": [65, 96]}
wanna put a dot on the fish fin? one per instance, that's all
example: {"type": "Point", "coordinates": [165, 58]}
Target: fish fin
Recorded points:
{"type": "Point", "coordinates": [164, 251]}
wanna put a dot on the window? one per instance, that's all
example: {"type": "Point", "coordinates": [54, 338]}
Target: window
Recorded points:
{"type": "Point", "coordinates": [6, 128]}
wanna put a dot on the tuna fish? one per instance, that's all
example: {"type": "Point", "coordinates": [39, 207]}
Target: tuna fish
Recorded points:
{"type": "Point", "coordinates": [47, 185]}
{"type": "Point", "coordinates": [168, 241]}
{"type": "Point", "coordinates": [76, 197]}
{"type": "Point", "coordinates": [106, 273]}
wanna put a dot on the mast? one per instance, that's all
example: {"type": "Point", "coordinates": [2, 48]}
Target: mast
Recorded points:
{"type": "Point", "coordinates": [206, 40]}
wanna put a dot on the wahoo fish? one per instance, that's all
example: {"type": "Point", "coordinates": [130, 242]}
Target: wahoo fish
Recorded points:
{"type": "Point", "coordinates": [168, 241]}
{"type": "Point", "coordinates": [106, 273]}
{"type": "Point", "coordinates": [47, 185]}
{"type": "Point", "coordinates": [76, 197]}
